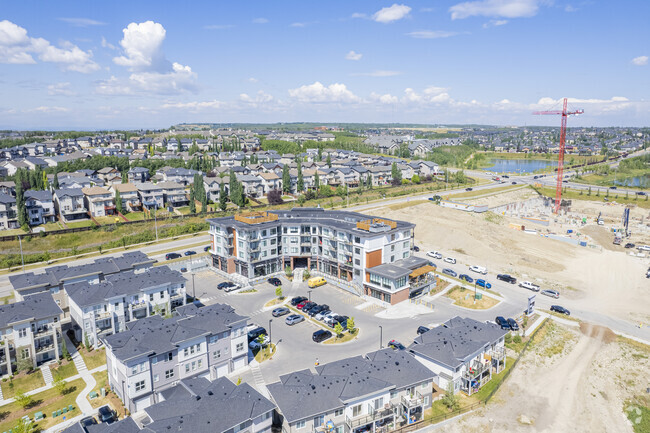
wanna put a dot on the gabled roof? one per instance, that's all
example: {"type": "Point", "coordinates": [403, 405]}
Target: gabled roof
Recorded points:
{"type": "Point", "coordinates": [69, 192]}
{"type": "Point", "coordinates": [34, 307]}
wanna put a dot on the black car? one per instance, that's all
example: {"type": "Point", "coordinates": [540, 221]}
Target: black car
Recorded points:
{"type": "Point", "coordinates": [106, 415]}
{"type": "Point", "coordinates": [297, 300]}
{"type": "Point", "coordinates": [502, 322]}
{"type": "Point", "coordinates": [514, 183]}
{"type": "Point", "coordinates": [507, 278]}
{"type": "Point", "coordinates": [253, 334]}
{"type": "Point", "coordinates": [560, 310]}
{"type": "Point", "coordinates": [468, 189]}
{"type": "Point", "coordinates": [321, 335]}
{"type": "Point", "coordinates": [416, 248]}
{"type": "Point", "coordinates": [274, 281]}
{"type": "Point", "coordinates": [325, 307]}
{"type": "Point", "coordinates": [171, 256]}
{"type": "Point", "coordinates": [640, 193]}
{"type": "Point", "coordinates": [422, 330]}
{"type": "Point", "coordinates": [190, 253]}
{"type": "Point", "coordinates": [612, 187]}
{"type": "Point", "coordinates": [505, 176]}
{"type": "Point", "coordinates": [308, 306]}
{"type": "Point", "coordinates": [225, 285]}
{"type": "Point", "coordinates": [629, 245]}
{"type": "Point", "coordinates": [206, 249]}
{"type": "Point", "coordinates": [466, 278]}
{"type": "Point", "coordinates": [449, 272]}
{"type": "Point", "coordinates": [513, 324]}
{"type": "Point", "coordinates": [396, 345]}
{"type": "Point", "coordinates": [88, 421]}
{"type": "Point", "coordinates": [315, 310]}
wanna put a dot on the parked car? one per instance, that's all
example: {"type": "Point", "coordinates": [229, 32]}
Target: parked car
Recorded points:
{"type": "Point", "coordinates": [560, 310]}
{"type": "Point", "coordinates": [106, 415]}
{"type": "Point", "coordinates": [171, 256]}
{"type": "Point", "coordinates": [293, 319]}
{"type": "Point", "coordinates": [513, 324]}
{"type": "Point", "coordinates": [320, 316]}
{"type": "Point", "coordinates": [468, 189]}
{"type": "Point", "coordinates": [435, 198]}
{"type": "Point", "coordinates": [530, 286]}
{"type": "Point", "coordinates": [629, 245]}
{"type": "Point", "coordinates": [321, 335]}
{"type": "Point", "coordinates": [256, 332]}
{"type": "Point", "coordinates": [450, 260]}
{"type": "Point", "coordinates": [478, 269]}
{"type": "Point", "coordinates": [274, 281]}
{"type": "Point", "coordinates": [434, 254]}
{"type": "Point", "coordinates": [416, 248]}
{"type": "Point", "coordinates": [643, 248]}
{"type": "Point", "coordinates": [315, 310]}
{"type": "Point", "coordinates": [394, 344]}
{"type": "Point", "coordinates": [189, 253]}
{"type": "Point", "coordinates": [280, 311]}
{"type": "Point", "coordinates": [466, 278]}
{"type": "Point", "coordinates": [514, 183]}
{"type": "Point", "coordinates": [505, 176]}
{"type": "Point", "coordinates": [640, 193]}
{"type": "Point", "coordinates": [422, 329]}
{"type": "Point", "coordinates": [206, 249]}
{"type": "Point", "coordinates": [183, 269]}
{"type": "Point", "coordinates": [316, 282]}
{"type": "Point", "coordinates": [483, 283]}
{"type": "Point", "coordinates": [230, 287]}
{"type": "Point", "coordinates": [612, 187]}
{"type": "Point", "coordinates": [257, 345]}
{"type": "Point", "coordinates": [88, 421]}
{"type": "Point", "coordinates": [306, 305]}
{"type": "Point", "coordinates": [502, 322]}
{"type": "Point", "coordinates": [330, 319]}
{"type": "Point", "coordinates": [343, 320]}
{"type": "Point", "coordinates": [507, 278]}
{"type": "Point", "coordinates": [297, 300]}
{"type": "Point", "coordinates": [449, 272]}
{"type": "Point", "coordinates": [552, 293]}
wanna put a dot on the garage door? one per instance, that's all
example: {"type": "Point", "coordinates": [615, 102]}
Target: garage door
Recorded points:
{"type": "Point", "coordinates": [222, 370]}
{"type": "Point", "coordinates": [142, 404]}
{"type": "Point", "coordinates": [239, 363]}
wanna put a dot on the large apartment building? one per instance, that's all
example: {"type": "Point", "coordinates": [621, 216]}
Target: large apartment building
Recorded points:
{"type": "Point", "coordinates": [30, 332]}
{"type": "Point", "coordinates": [154, 353]}
{"type": "Point", "coordinates": [345, 245]}
{"type": "Point", "coordinates": [105, 308]}
{"type": "Point", "coordinates": [381, 391]}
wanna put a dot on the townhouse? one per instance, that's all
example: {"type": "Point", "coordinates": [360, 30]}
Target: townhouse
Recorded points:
{"type": "Point", "coordinates": [70, 204]}
{"type": "Point", "coordinates": [8, 212]}
{"type": "Point", "coordinates": [128, 195]}
{"type": "Point", "coordinates": [212, 186]}
{"type": "Point", "coordinates": [106, 307]}
{"type": "Point", "coordinates": [173, 193]}
{"type": "Point", "coordinates": [270, 182]}
{"type": "Point", "coordinates": [153, 354]}
{"type": "Point", "coordinates": [40, 207]}
{"type": "Point", "coordinates": [346, 245]}
{"type": "Point", "coordinates": [55, 278]}
{"type": "Point", "coordinates": [462, 352]}
{"type": "Point", "coordinates": [30, 333]}
{"type": "Point", "coordinates": [99, 201]}
{"type": "Point", "coordinates": [151, 195]}
{"type": "Point", "coordinates": [253, 186]}
{"type": "Point", "coordinates": [183, 176]}
{"type": "Point", "coordinates": [138, 174]}
{"type": "Point", "coordinates": [387, 388]}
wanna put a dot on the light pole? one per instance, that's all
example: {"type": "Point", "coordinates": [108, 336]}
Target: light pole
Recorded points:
{"type": "Point", "coordinates": [193, 287]}
{"type": "Point", "coordinates": [155, 220]}
{"type": "Point", "coordinates": [381, 337]}
{"type": "Point", "coordinates": [22, 259]}
{"type": "Point", "coordinates": [309, 294]}
{"type": "Point", "coordinates": [270, 339]}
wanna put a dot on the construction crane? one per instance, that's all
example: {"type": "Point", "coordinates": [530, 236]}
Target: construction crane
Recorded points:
{"type": "Point", "coordinates": [560, 159]}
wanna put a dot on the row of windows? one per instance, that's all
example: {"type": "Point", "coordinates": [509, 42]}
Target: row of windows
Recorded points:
{"type": "Point", "coordinates": [195, 348]}
{"type": "Point", "coordinates": [168, 375]}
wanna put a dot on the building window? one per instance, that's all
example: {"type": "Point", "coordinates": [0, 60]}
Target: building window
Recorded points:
{"type": "Point", "coordinates": [357, 240]}
{"type": "Point", "coordinates": [356, 410]}
{"type": "Point", "coordinates": [240, 347]}
{"type": "Point", "coordinates": [216, 354]}
{"type": "Point", "coordinates": [392, 248]}
{"type": "Point", "coordinates": [170, 356]}
{"type": "Point", "coordinates": [300, 424]}
{"type": "Point", "coordinates": [151, 297]}
{"type": "Point", "coordinates": [319, 420]}
{"type": "Point", "coordinates": [426, 401]}
{"type": "Point", "coordinates": [187, 367]}
{"type": "Point", "coordinates": [393, 394]}
{"type": "Point", "coordinates": [424, 385]}
{"type": "Point", "coordinates": [357, 262]}
{"type": "Point", "coordinates": [139, 386]}
{"type": "Point", "coordinates": [24, 353]}
{"type": "Point", "coordinates": [357, 251]}
{"type": "Point", "coordinates": [405, 255]}
{"type": "Point", "coordinates": [406, 244]}
{"type": "Point", "coordinates": [22, 333]}
{"type": "Point", "coordinates": [186, 351]}
{"type": "Point", "coordinates": [169, 374]}
{"type": "Point", "coordinates": [162, 294]}
{"type": "Point", "coordinates": [338, 412]}
{"type": "Point", "coordinates": [134, 370]}
{"type": "Point", "coordinates": [392, 259]}
{"type": "Point", "coordinates": [199, 363]}
{"type": "Point", "coordinates": [155, 378]}
{"type": "Point", "coordinates": [379, 403]}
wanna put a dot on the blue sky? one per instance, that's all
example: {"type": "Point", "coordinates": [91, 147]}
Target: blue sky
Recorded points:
{"type": "Point", "coordinates": [132, 64]}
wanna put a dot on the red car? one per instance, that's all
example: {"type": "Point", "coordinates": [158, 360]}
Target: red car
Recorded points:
{"type": "Point", "coordinates": [301, 305]}
{"type": "Point", "coordinates": [305, 305]}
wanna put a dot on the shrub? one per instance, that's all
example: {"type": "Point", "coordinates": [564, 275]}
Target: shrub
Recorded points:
{"type": "Point", "coordinates": [274, 196]}
{"type": "Point", "coordinates": [288, 271]}
{"type": "Point", "coordinates": [517, 339]}
{"type": "Point", "coordinates": [508, 338]}
{"type": "Point", "coordinates": [450, 399]}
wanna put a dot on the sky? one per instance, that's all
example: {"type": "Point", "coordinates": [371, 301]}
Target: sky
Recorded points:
{"type": "Point", "coordinates": [153, 64]}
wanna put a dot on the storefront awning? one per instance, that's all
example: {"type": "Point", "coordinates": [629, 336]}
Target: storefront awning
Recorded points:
{"type": "Point", "coordinates": [421, 271]}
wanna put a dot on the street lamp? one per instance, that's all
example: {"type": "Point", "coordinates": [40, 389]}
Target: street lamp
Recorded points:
{"type": "Point", "coordinates": [270, 340]}
{"type": "Point", "coordinates": [22, 259]}
{"type": "Point", "coordinates": [309, 294]}
{"type": "Point", "coordinates": [193, 287]}
{"type": "Point", "coordinates": [381, 337]}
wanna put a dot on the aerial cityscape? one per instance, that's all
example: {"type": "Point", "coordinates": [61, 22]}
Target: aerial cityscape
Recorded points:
{"type": "Point", "coordinates": [335, 217]}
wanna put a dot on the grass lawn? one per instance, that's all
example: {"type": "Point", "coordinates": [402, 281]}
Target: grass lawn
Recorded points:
{"type": "Point", "coordinates": [481, 192]}
{"type": "Point", "coordinates": [263, 200]}
{"type": "Point", "coordinates": [346, 336]}
{"type": "Point", "coordinates": [52, 226]}
{"type": "Point", "coordinates": [612, 197]}
{"type": "Point", "coordinates": [465, 298]}
{"type": "Point", "coordinates": [184, 209]}
{"type": "Point", "coordinates": [66, 369]}
{"type": "Point", "coordinates": [76, 224]}
{"type": "Point", "coordinates": [637, 410]}
{"type": "Point", "coordinates": [134, 216]}
{"type": "Point", "coordinates": [491, 385]}
{"type": "Point", "coordinates": [13, 232]}
{"type": "Point", "coordinates": [265, 353]}
{"type": "Point", "coordinates": [23, 382]}
{"type": "Point", "coordinates": [93, 358]}
{"type": "Point", "coordinates": [46, 402]}
{"type": "Point", "coordinates": [274, 301]}
{"type": "Point", "coordinates": [406, 204]}
{"type": "Point", "coordinates": [109, 219]}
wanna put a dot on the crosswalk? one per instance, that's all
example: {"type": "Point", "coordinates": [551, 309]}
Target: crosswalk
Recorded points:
{"type": "Point", "coordinates": [47, 374]}
{"type": "Point", "coordinates": [259, 380]}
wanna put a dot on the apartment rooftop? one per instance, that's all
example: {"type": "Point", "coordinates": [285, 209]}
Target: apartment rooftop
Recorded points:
{"type": "Point", "coordinates": [34, 307]}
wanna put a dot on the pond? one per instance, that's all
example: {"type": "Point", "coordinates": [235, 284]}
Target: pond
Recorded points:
{"type": "Point", "coordinates": [638, 181]}
{"type": "Point", "coordinates": [519, 165]}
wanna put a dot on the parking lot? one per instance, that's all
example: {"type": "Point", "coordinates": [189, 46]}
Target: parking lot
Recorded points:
{"type": "Point", "coordinates": [295, 348]}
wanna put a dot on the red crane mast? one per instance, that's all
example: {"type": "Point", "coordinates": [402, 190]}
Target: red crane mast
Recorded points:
{"type": "Point", "coordinates": [560, 160]}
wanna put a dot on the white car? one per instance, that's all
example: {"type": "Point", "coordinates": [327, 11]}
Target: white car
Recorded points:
{"type": "Point", "coordinates": [232, 287]}
{"type": "Point", "coordinates": [450, 260]}
{"type": "Point", "coordinates": [530, 286]}
{"type": "Point", "coordinates": [479, 269]}
{"type": "Point", "coordinates": [329, 319]}
{"type": "Point", "coordinates": [322, 315]}
{"type": "Point", "coordinates": [643, 248]}
{"type": "Point", "coordinates": [434, 254]}
{"type": "Point", "coordinates": [256, 345]}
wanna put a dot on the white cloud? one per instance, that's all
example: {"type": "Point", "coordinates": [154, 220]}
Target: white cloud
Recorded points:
{"type": "Point", "coordinates": [570, 8]}
{"type": "Point", "coordinates": [298, 25]}
{"type": "Point", "coordinates": [358, 15]}
{"type": "Point", "coordinates": [260, 98]}
{"type": "Point", "coordinates": [495, 23]}
{"type": "Point", "coordinates": [391, 13]}
{"type": "Point", "coordinates": [352, 55]}
{"type": "Point", "coordinates": [319, 93]}
{"type": "Point", "coordinates": [253, 80]}
{"type": "Point", "coordinates": [431, 34]}
{"type": "Point", "coordinates": [431, 94]}
{"type": "Point", "coordinates": [384, 99]}
{"type": "Point", "coordinates": [82, 22]}
{"type": "Point", "coordinates": [64, 89]}
{"type": "Point", "coordinates": [45, 109]}
{"type": "Point", "coordinates": [106, 44]}
{"type": "Point", "coordinates": [17, 47]}
{"type": "Point", "coordinates": [379, 73]}
{"type": "Point", "coordinates": [151, 71]}
{"type": "Point", "coordinates": [640, 61]}
{"type": "Point", "coordinates": [219, 26]}
{"type": "Point", "coordinates": [194, 106]}
{"type": "Point", "coordinates": [260, 20]}
{"type": "Point", "coordinates": [495, 8]}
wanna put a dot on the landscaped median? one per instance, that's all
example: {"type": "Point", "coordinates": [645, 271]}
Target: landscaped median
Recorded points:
{"type": "Point", "coordinates": [464, 297]}
{"type": "Point", "coordinates": [23, 382]}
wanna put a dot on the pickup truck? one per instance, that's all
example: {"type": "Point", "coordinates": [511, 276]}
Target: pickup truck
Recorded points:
{"type": "Point", "coordinates": [530, 286]}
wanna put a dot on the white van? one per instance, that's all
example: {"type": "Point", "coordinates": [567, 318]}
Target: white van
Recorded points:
{"type": "Point", "coordinates": [479, 269]}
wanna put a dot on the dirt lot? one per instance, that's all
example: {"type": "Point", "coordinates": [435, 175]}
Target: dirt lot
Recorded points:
{"type": "Point", "coordinates": [501, 198]}
{"type": "Point", "coordinates": [572, 380]}
{"type": "Point", "coordinates": [610, 282]}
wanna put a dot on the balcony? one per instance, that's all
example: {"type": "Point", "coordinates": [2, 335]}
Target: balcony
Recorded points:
{"type": "Point", "coordinates": [138, 305]}
{"type": "Point", "coordinates": [374, 415]}
{"type": "Point", "coordinates": [476, 369]}
{"type": "Point", "coordinates": [411, 400]}
{"type": "Point", "coordinates": [44, 348]}
{"type": "Point", "coordinates": [44, 330]}
{"type": "Point", "coordinates": [103, 315]}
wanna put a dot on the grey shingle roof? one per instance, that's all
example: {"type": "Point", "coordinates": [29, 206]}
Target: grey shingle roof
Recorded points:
{"type": "Point", "coordinates": [36, 306]}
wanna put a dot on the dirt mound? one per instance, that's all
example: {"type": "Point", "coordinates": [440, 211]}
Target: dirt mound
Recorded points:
{"type": "Point", "coordinates": [601, 236]}
{"type": "Point", "coordinates": [599, 332]}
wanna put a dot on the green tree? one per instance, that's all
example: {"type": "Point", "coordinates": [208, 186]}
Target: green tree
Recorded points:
{"type": "Point", "coordinates": [192, 200]}
{"type": "Point", "coordinates": [415, 178]}
{"type": "Point", "coordinates": [55, 181]}
{"type": "Point", "coordinates": [87, 340]}
{"type": "Point", "coordinates": [60, 384]}
{"type": "Point", "coordinates": [450, 399]}
{"type": "Point", "coordinates": [351, 327]}
{"type": "Point", "coordinates": [369, 181]}
{"type": "Point", "coordinates": [288, 271]}
{"type": "Point", "coordinates": [316, 180]}
{"type": "Point", "coordinates": [286, 179]}
{"type": "Point", "coordinates": [222, 197]}
{"type": "Point", "coordinates": [320, 153]}
{"type": "Point", "coordinates": [64, 347]}
{"type": "Point", "coordinates": [22, 399]}
{"type": "Point", "coordinates": [278, 291]}
{"type": "Point", "coordinates": [23, 426]}
{"type": "Point", "coordinates": [329, 161]}
{"type": "Point", "coordinates": [301, 182]}
{"type": "Point", "coordinates": [118, 202]}
{"type": "Point", "coordinates": [396, 175]}
{"type": "Point", "coordinates": [338, 329]}
{"type": "Point", "coordinates": [125, 177]}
